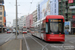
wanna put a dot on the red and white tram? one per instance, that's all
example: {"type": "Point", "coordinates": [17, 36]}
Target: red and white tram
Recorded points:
{"type": "Point", "coordinates": [51, 28]}
{"type": "Point", "coordinates": [24, 30]}
{"type": "Point", "coordinates": [31, 30]}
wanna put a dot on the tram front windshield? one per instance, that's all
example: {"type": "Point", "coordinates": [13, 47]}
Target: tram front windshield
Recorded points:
{"type": "Point", "coordinates": [56, 26]}
{"type": "Point", "coordinates": [24, 29]}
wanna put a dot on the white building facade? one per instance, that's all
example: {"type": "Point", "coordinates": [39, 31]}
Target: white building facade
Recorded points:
{"type": "Point", "coordinates": [34, 16]}
{"type": "Point", "coordinates": [14, 23]}
{"type": "Point", "coordinates": [21, 22]}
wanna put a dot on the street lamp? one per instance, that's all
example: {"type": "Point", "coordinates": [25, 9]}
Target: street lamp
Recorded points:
{"type": "Point", "coordinates": [16, 19]}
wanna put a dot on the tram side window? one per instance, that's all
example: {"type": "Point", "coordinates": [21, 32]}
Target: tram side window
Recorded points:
{"type": "Point", "coordinates": [47, 27]}
{"type": "Point", "coordinates": [43, 27]}
{"type": "Point", "coordinates": [38, 28]}
{"type": "Point", "coordinates": [60, 27]}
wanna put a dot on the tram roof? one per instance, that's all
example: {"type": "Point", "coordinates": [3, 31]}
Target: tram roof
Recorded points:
{"type": "Point", "coordinates": [54, 17]}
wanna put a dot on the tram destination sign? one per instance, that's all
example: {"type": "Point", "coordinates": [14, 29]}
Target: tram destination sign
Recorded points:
{"type": "Point", "coordinates": [55, 20]}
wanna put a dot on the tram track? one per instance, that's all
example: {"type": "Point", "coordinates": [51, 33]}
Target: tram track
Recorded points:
{"type": "Point", "coordinates": [26, 43]}
{"type": "Point", "coordinates": [44, 45]}
{"type": "Point", "coordinates": [38, 43]}
{"type": "Point", "coordinates": [47, 46]}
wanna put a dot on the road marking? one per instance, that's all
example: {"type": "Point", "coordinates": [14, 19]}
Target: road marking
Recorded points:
{"type": "Point", "coordinates": [26, 43]}
{"type": "Point", "coordinates": [38, 42]}
{"type": "Point", "coordinates": [20, 44]}
{"type": "Point", "coordinates": [71, 41]}
{"type": "Point", "coordinates": [65, 40]}
{"type": "Point", "coordinates": [8, 38]}
{"type": "Point", "coordinates": [7, 35]}
{"type": "Point", "coordinates": [6, 43]}
{"type": "Point", "coordinates": [44, 47]}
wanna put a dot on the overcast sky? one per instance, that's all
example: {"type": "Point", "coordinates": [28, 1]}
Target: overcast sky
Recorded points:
{"type": "Point", "coordinates": [24, 7]}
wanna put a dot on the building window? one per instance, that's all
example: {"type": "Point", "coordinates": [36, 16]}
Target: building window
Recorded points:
{"type": "Point", "coordinates": [55, 5]}
{"type": "Point", "coordinates": [73, 10]}
{"type": "Point", "coordinates": [0, 13]}
{"type": "Point", "coordinates": [73, 1]}
{"type": "Point", "coordinates": [55, 10]}
{"type": "Point", "coordinates": [55, 0]}
{"type": "Point", "coordinates": [0, 8]}
{"type": "Point", "coordinates": [0, 18]}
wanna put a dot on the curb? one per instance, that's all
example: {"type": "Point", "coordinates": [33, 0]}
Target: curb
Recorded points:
{"type": "Point", "coordinates": [21, 44]}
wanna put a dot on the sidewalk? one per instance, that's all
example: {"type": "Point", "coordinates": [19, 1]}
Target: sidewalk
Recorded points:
{"type": "Point", "coordinates": [12, 45]}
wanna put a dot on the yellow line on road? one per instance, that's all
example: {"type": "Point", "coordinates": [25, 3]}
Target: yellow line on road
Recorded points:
{"type": "Point", "coordinates": [23, 35]}
{"type": "Point", "coordinates": [20, 44]}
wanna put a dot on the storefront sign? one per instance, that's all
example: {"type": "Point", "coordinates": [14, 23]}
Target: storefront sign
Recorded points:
{"type": "Point", "coordinates": [71, 7]}
{"type": "Point", "coordinates": [70, 1]}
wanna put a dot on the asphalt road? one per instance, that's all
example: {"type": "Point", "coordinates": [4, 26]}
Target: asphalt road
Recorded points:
{"type": "Point", "coordinates": [33, 43]}
{"type": "Point", "coordinates": [6, 37]}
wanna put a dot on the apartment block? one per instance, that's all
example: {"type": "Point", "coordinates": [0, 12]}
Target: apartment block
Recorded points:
{"type": "Point", "coordinates": [67, 9]}
{"type": "Point", "coordinates": [2, 18]}
{"type": "Point", "coordinates": [34, 16]}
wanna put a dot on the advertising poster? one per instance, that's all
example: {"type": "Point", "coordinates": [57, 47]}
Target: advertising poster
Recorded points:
{"type": "Point", "coordinates": [46, 9]}
{"type": "Point", "coordinates": [67, 27]}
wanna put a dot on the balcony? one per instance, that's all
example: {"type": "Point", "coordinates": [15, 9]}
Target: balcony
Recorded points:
{"type": "Point", "coordinates": [71, 12]}
{"type": "Point", "coordinates": [69, 16]}
{"type": "Point", "coordinates": [71, 4]}
{"type": "Point", "coordinates": [60, 13]}
{"type": "Point", "coordinates": [64, 0]}
{"type": "Point", "coordinates": [65, 11]}
{"type": "Point", "coordinates": [60, 9]}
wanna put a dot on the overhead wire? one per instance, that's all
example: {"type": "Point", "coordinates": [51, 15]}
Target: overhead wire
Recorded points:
{"type": "Point", "coordinates": [30, 6]}
{"type": "Point", "coordinates": [23, 3]}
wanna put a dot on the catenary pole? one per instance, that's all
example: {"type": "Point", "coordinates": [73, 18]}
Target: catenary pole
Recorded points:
{"type": "Point", "coordinates": [16, 19]}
